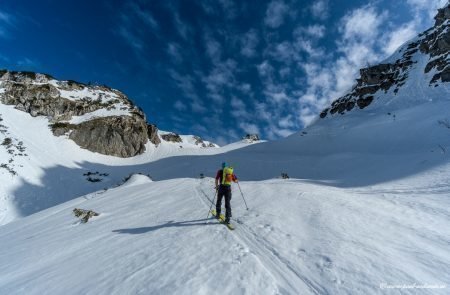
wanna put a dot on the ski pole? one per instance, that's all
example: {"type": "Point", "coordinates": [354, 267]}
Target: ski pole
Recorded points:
{"type": "Point", "coordinates": [210, 207]}
{"type": "Point", "coordinates": [242, 195]}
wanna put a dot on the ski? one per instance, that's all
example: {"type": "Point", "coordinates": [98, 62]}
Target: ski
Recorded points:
{"type": "Point", "coordinates": [222, 220]}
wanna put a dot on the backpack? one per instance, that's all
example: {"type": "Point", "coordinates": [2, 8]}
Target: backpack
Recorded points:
{"type": "Point", "coordinates": [227, 176]}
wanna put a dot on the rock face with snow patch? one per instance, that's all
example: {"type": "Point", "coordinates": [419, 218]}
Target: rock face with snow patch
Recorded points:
{"type": "Point", "coordinates": [152, 132]}
{"type": "Point", "coordinates": [251, 137]}
{"type": "Point", "coordinates": [391, 77]}
{"type": "Point", "coordinates": [97, 118]}
{"type": "Point", "coordinates": [171, 137]}
{"type": "Point", "coordinates": [118, 128]}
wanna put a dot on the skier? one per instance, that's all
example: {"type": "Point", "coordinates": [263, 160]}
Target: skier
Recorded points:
{"type": "Point", "coordinates": [224, 177]}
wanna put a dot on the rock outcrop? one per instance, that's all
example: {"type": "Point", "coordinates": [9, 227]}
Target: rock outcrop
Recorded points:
{"type": "Point", "coordinates": [199, 141]}
{"type": "Point", "coordinates": [251, 137]}
{"type": "Point", "coordinates": [152, 132]}
{"type": "Point", "coordinates": [171, 137]}
{"type": "Point", "coordinates": [116, 136]}
{"type": "Point", "coordinates": [122, 135]}
{"type": "Point", "coordinates": [97, 118]}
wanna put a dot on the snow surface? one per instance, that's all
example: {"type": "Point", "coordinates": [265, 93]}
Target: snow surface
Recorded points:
{"type": "Point", "coordinates": [117, 111]}
{"type": "Point", "coordinates": [297, 238]}
{"type": "Point", "coordinates": [87, 92]}
{"type": "Point", "coordinates": [53, 169]}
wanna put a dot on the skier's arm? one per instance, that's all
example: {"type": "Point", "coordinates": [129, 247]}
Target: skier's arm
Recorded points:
{"type": "Point", "coordinates": [235, 179]}
{"type": "Point", "coordinates": [217, 179]}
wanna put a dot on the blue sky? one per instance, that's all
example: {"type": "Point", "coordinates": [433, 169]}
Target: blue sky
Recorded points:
{"type": "Point", "coordinates": [214, 68]}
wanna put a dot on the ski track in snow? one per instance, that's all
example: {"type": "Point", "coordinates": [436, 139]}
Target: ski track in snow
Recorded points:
{"type": "Point", "coordinates": [289, 279]}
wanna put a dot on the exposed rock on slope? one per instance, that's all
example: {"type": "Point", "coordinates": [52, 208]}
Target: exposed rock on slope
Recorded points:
{"type": "Point", "coordinates": [116, 136]}
{"type": "Point", "coordinates": [97, 118]}
{"type": "Point", "coordinates": [171, 137]}
{"type": "Point", "coordinates": [386, 77]}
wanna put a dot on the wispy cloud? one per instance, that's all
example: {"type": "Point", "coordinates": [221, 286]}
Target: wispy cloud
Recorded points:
{"type": "Point", "coordinates": [427, 8]}
{"type": "Point", "coordinates": [249, 128]}
{"type": "Point", "coordinates": [249, 43]}
{"type": "Point", "coordinates": [143, 15]}
{"type": "Point", "coordinates": [229, 8]}
{"type": "Point", "coordinates": [134, 24]}
{"type": "Point", "coordinates": [362, 23]}
{"type": "Point", "coordinates": [320, 9]}
{"type": "Point", "coordinates": [213, 48]}
{"type": "Point", "coordinates": [315, 31]}
{"type": "Point", "coordinates": [131, 38]}
{"type": "Point", "coordinates": [7, 21]}
{"type": "Point", "coordinates": [186, 84]}
{"type": "Point", "coordinates": [276, 12]}
{"type": "Point", "coordinates": [174, 51]}
{"type": "Point", "coordinates": [399, 36]}
{"type": "Point", "coordinates": [225, 8]}
{"type": "Point", "coordinates": [180, 106]}
{"type": "Point", "coordinates": [28, 64]}
{"type": "Point", "coordinates": [183, 29]}
{"type": "Point", "coordinates": [220, 77]}
{"type": "Point", "coordinates": [239, 109]}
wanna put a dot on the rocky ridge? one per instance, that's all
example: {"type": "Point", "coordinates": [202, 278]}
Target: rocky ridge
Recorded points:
{"type": "Point", "coordinates": [97, 118]}
{"type": "Point", "coordinates": [381, 78]}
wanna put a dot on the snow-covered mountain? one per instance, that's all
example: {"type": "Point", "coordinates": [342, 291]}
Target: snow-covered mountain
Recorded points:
{"type": "Point", "coordinates": [366, 206]}
{"type": "Point", "coordinates": [47, 123]}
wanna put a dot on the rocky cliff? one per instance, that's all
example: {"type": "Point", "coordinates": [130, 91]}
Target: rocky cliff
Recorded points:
{"type": "Point", "coordinates": [97, 118]}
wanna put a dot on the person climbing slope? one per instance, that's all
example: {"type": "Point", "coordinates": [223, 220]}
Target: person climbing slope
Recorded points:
{"type": "Point", "coordinates": [224, 178]}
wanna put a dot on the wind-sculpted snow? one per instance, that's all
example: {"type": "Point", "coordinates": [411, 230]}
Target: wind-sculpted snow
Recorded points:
{"type": "Point", "coordinates": [296, 238]}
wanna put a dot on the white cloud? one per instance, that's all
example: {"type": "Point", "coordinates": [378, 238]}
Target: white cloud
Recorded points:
{"type": "Point", "coordinates": [186, 84]}
{"type": "Point", "coordinates": [245, 88]}
{"type": "Point", "coordinates": [238, 109]}
{"type": "Point", "coordinates": [145, 16]}
{"type": "Point", "coordinates": [220, 77]}
{"type": "Point", "coordinates": [213, 49]}
{"type": "Point", "coordinates": [316, 31]}
{"type": "Point", "coordinates": [6, 22]}
{"type": "Point", "coordinates": [174, 51]}
{"type": "Point", "coordinates": [180, 106]}
{"type": "Point", "coordinates": [183, 29]}
{"type": "Point", "coordinates": [131, 38]}
{"type": "Point", "coordinates": [307, 45]}
{"type": "Point", "coordinates": [286, 122]}
{"type": "Point", "coordinates": [249, 42]}
{"type": "Point", "coordinates": [400, 36]}
{"type": "Point", "coordinates": [276, 13]}
{"type": "Point", "coordinates": [249, 128]}
{"type": "Point", "coordinates": [273, 132]}
{"type": "Point", "coordinates": [307, 115]}
{"type": "Point", "coordinates": [229, 8]}
{"type": "Point", "coordinates": [429, 7]}
{"type": "Point", "coordinates": [5, 17]}
{"type": "Point", "coordinates": [265, 69]}
{"type": "Point", "coordinates": [28, 64]}
{"type": "Point", "coordinates": [362, 23]}
{"type": "Point", "coordinates": [319, 9]}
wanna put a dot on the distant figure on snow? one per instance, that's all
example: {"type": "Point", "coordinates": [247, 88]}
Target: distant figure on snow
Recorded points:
{"type": "Point", "coordinates": [224, 177]}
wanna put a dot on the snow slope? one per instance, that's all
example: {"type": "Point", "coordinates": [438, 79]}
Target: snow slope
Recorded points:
{"type": "Point", "coordinates": [297, 238]}
{"type": "Point", "coordinates": [51, 170]}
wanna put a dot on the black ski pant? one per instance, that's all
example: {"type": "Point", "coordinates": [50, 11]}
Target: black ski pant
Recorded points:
{"type": "Point", "coordinates": [224, 191]}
